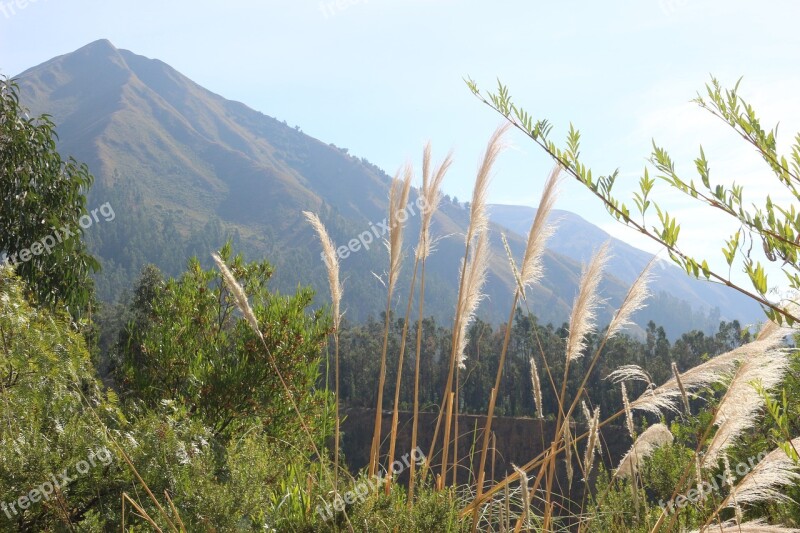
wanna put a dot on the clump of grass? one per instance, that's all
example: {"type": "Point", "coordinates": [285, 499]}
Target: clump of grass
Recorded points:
{"type": "Point", "coordinates": [530, 273]}
{"type": "Point", "coordinates": [431, 195]}
{"type": "Point", "coordinates": [762, 360]}
{"type": "Point", "coordinates": [478, 225]}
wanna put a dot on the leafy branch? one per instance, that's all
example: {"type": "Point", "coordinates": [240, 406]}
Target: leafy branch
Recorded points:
{"type": "Point", "coordinates": [776, 227]}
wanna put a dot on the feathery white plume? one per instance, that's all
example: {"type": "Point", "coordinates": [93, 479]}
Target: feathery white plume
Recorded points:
{"type": "Point", "coordinates": [629, 373]}
{"type": "Point", "coordinates": [537, 389]}
{"type": "Point", "coordinates": [634, 300]}
{"type": "Point", "coordinates": [526, 495]}
{"type": "Point", "coordinates": [431, 195]}
{"type": "Point", "coordinates": [513, 265]}
{"type": "Point", "coordinates": [738, 409]}
{"type": "Point", "coordinates": [653, 437]}
{"type": "Point", "coordinates": [531, 271]}
{"type": "Point", "coordinates": [398, 200]}
{"type": "Point", "coordinates": [582, 320]}
{"type": "Point", "coordinates": [238, 294]}
{"type": "Point", "coordinates": [718, 369]}
{"type": "Point", "coordinates": [628, 413]}
{"type": "Point", "coordinates": [592, 443]}
{"type": "Point", "coordinates": [768, 480]}
{"type": "Point", "coordinates": [586, 414]}
{"type": "Point", "coordinates": [478, 219]}
{"type": "Point", "coordinates": [331, 264]}
{"type": "Point", "coordinates": [473, 287]}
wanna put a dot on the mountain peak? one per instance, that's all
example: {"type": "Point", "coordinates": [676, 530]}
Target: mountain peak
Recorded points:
{"type": "Point", "coordinates": [96, 54]}
{"type": "Point", "coordinates": [100, 44]}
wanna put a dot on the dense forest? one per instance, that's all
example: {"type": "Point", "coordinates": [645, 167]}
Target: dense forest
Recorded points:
{"type": "Point", "coordinates": [655, 354]}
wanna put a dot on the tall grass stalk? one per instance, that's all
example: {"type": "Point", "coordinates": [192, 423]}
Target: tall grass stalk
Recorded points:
{"type": "Point", "coordinates": [398, 380]}
{"type": "Point", "coordinates": [398, 198]}
{"type": "Point", "coordinates": [477, 224]}
{"type": "Point", "coordinates": [473, 287]}
{"type": "Point", "coordinates": [332, 268]}
{"type": "Point", "coordinates": [530, 273]}
{"type": "Point", "coordinates": [455, 428]}
{"type": "Point", "coordinates": [431, 195]}
{"type": "Point", "coordinates": [582, 322]}
{"type": "Point", "coordinates": [431, 191]}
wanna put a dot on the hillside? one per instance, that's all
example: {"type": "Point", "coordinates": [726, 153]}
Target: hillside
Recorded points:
{"type": "Point", "coordinates": [580, 237]}
{"type": "Point", "coordinates": [185, 169]}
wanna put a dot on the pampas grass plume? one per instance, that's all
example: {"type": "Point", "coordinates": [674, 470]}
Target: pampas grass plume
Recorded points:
{"type": "Point", "coordinates": [238, 294]}
{"type": "Point", "coordinates": [582, 319]}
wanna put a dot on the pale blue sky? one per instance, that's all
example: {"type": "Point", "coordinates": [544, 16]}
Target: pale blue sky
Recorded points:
{"type": "Point", "coordinates": [380, 77]}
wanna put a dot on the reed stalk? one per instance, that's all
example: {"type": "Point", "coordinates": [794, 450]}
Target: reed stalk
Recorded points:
{"type": "Point", "coordinates": [398, 198]}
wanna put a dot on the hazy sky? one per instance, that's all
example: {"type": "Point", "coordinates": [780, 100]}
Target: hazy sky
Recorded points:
{"type": "Point", "coordinates": [380, 77]}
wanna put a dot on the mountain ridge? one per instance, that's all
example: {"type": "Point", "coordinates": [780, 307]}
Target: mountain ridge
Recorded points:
{"type": "Point", "coordinates": [190, 169]}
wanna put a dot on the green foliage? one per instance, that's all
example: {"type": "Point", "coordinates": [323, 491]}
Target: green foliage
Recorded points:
{"type": "Point", "coordinates": [432, 510]}
{"type": "Point", "coordinates": [236, 485]}
{"type": "Point", "coordinates": [770, 227]}
{"type": "Point", "coordinates": [42, 199]}
{"type": "Point", "coordinates": [47, 380]}
{"type": "Point", "coordinates": [55, 414]}
{"type": "Point", "coordinates": [188, 343]}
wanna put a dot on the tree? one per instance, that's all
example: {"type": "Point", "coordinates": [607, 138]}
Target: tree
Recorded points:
{"type": "Point", "coordinates": [188, 344]}
{"type": "Point", "coordinates": [42, 199]}
{"type": "Point", "coordinates": [62, 436]}
{"type": "Point", "coordinates": [772, 229]}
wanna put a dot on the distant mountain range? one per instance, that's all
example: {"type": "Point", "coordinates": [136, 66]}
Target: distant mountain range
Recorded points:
{"type": "Point", "coordinates": [185, 169]}
{"type": "Point", "coordinates": [577, 239]}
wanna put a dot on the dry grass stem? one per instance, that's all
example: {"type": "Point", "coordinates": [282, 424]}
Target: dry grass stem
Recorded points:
{"type": "Point", "coordinates": [681, 388]}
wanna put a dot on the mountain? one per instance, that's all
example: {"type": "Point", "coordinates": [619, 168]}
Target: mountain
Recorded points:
{"type": "Point", "coordinates": [185, 169]}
